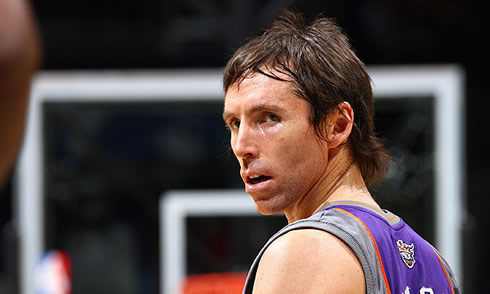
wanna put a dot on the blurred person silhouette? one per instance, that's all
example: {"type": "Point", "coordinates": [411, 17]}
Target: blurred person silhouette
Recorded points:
{"type": "Point", "coordinates": [19, 59]}
{"type": "Point", "coordinates": [299, 106]}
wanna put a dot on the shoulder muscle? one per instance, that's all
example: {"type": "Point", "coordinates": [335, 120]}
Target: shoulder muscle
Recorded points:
{"type": "Point", "coordinates": [309, 261]}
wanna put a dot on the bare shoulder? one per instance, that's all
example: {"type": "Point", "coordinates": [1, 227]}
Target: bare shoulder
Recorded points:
{"type": "Point", "coordinates": [309, 261]}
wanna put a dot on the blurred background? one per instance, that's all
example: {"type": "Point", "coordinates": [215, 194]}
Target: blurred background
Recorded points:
{"type": "Point", "coordinates": [106, 165]}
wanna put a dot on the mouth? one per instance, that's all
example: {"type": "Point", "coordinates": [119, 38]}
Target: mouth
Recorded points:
{"type": "Point", "coordinates": [257, 179]}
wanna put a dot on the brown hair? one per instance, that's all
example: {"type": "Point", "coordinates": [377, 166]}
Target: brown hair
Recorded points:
{"type": "Point", "coordinates": [318, 59]}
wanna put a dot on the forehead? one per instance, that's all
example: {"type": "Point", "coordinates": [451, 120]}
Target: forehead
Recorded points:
{"type": "Point", "coordinates": [258, 89]}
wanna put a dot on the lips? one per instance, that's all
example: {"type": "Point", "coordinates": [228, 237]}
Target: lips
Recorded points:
{"type": "Point", "coordinates": [255, 179]}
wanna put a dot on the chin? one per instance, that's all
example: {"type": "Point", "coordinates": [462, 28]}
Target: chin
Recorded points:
{"type": "Point", "coordinates": [268, 207]}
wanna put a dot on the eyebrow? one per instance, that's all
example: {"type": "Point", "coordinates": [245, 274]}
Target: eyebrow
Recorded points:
{"type": "Point", "coordinates": [227, 114]}
{"type": "Point", "coordinates": [257, 108]}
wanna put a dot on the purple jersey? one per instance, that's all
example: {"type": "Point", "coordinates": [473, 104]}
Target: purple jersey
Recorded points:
{"type": "Point", "coordinates": [394, 258]}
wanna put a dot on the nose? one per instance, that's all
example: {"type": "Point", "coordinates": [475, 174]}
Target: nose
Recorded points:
{"type": "Point", "coordinates": [244, 143]}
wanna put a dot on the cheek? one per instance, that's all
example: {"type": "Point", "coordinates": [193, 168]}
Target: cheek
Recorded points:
{"type": "Point", "coordinates": [232, 143]}
{"type": "Point", "coordinates": [303, 153]}
{"type": "Point", "coordinates": [311, 161]}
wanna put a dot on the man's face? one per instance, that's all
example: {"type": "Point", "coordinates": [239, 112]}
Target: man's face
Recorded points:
{"type": "Point", "coordinates": [280, 156]}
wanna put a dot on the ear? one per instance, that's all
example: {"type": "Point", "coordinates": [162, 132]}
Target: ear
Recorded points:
{"type": "Point", "coordinates": [339, 124]}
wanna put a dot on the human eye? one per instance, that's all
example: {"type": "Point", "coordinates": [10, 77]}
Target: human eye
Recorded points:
{"type": "Point", "coordinates": [233, 124]}
{"type": "Point", "coordinates": [270, 117]}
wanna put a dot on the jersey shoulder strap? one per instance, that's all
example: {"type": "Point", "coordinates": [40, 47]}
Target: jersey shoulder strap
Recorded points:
{"type": "Point", "coordinates": [346, 229]}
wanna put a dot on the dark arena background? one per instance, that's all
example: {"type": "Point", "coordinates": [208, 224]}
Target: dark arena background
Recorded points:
{"type": "Point", "coordinates": [106, 165]}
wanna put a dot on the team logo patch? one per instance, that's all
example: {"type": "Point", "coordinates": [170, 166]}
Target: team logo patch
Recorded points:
{"type": "Point", "coordinates": [407, 253]}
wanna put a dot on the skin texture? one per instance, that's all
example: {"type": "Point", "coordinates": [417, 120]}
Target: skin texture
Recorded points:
{"type": "Point", "coordinates": [261, 115]}
{"type": "Point", "coordinates": [19, 58]}
{"type": "Point", "coordinates": [272, 136]}
{"type": "Point", "coordinates": [309, 261]}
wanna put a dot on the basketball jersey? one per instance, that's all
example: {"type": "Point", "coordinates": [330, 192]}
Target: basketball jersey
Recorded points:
{"type": "Point", "coordinates": [394, 258]}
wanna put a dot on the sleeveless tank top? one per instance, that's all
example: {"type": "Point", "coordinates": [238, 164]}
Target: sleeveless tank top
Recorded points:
{"type": "Point", "coordinates": [394, 258]}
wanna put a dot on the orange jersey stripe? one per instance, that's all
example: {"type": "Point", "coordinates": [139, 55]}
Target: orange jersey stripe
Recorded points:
{"type": "Point", "coordinates": [445, 272]}
{"type": "Point", "coordinates": [375, 246]}
{"type": "Point", "coordinates": [366, 206]}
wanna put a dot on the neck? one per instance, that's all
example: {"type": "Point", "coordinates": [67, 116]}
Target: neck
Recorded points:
{"type": "Point", "coordinates": [342, 180]}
